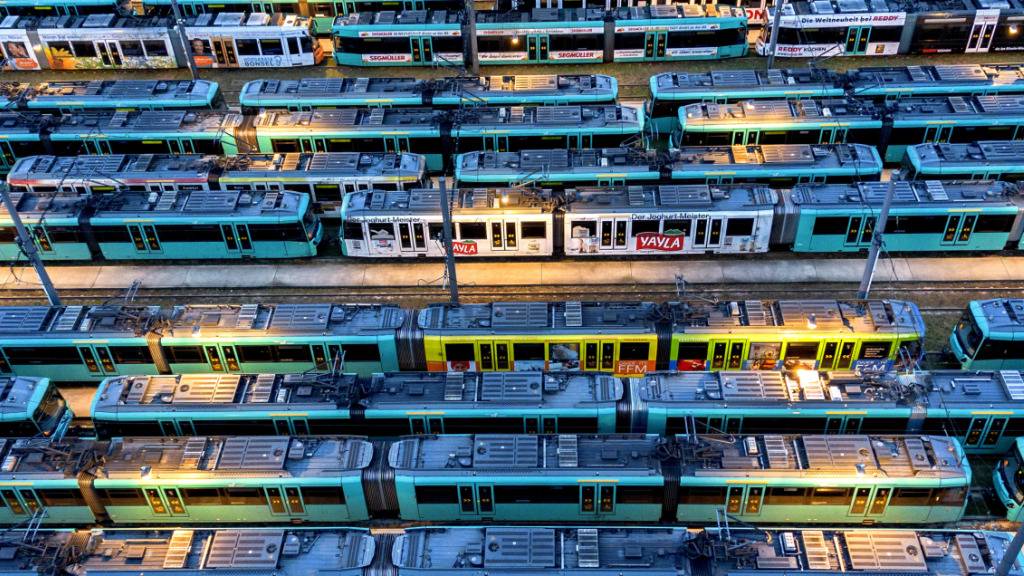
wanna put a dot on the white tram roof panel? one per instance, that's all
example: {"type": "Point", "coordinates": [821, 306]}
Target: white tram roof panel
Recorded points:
{"type": "Point", "coordinates": [213, 392]}
{"type": "Point", "coordinates": [236, 456]}
{"type": "Point", "coordinates": [342, 552]}
{"type": "Point", "coordinates": [739, 157]}
{"type": "Point", "coordinates": [527, 85]}
{"type": "Point", "coordinates": [835, 456]}
{"type": "Point", "coordinates": [954, 107]}
{"type": "Point", "coordinates": [527, 455]}
{"type": "Point", "coordinates": [386, 165]}
{"type": "Point", "coordinates": [365, 119]}
{"type": "Point", "coordinates": [524, 549]}
{"type": "Point", "coordinates": [883, 77]}
{"type": "Point", "coordinates": [491, 390]}
{"type": "Point", "coordinates": [974, 154]}
{"type": "Point", "coordinates": [871, 316]}
{"type": "Point", "coordinates": [68, 322]}
{"type": "Point", "coordinates": [541, 117]}
{"type": "Point", "coordinates": [584, 160]}
{"type": "Point", "coordinates": [571, 317]}
{"type": "Point", "coordinates": [110, 169]}
{"type": "Point", "coordinates": [400, 18]}
{"type": "Point", "coordinates": [1003, 314]}
{"type": "Point", "coordinates": [145, 121]}
{"type": "Point", "coordinates": [956, 194]}
{"type": "Point", "coordinates": [260, 320]}
{"type": "Point", "coordinates": [671, 198]}
{"type": "Point", "coordinates": [427, 201]}
{"type": "Point", "coordinates": [114, 90]}
{"type": "Point", "coordinates": [748, 111]}
{"type": "Point", "coordinates": [540, 15]}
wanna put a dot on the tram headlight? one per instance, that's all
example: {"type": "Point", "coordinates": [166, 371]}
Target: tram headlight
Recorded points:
{"type": "Point", "coordinates": [1014, 29]}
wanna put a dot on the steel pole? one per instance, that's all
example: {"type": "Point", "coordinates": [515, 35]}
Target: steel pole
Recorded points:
{"type": "Point", "coordinates": [471, 45]}
{"type": "Point", "coordinates": [773, 43]}
{"type": "Point", "coordinates": [1011, 553]}
{"type": "Point", "coordinates": [28, 246]}
{"type": "Point", "coordinates": [876, 240]}
{"type": "Point", "coordinates": [449, 254]}
{"type": "Point", "coordinates": [179, 25]}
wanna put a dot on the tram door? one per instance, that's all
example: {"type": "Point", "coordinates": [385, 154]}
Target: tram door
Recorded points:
{"type": "Point", "coordinates": [177, 428]}
{"type": "Point", "coordinates": [937, 134]}
{"type": "Point", "coordinates": [224, 51]}
{"type": "Point", "coordinates": [745, 501]}
{"type": "Point", "coordinates": [537, 47]}
{"type": "Point", "coordinates": [21, 506]}
{"type": "Point", "coordinates": [837, 355]}
{"type": "Point", "coordinates": [655, 44]}
{"type": "Point", "coordinates": [98, 360]}
{"type": "Point", "coordinates": [504, 237]}
{"type": "Point", "coordinates": [959, 229]}
{"type": "Point", "coordinates": [857, 39]}
{"type": "Point", "coordinates": [221, 358]}
{"type": "Point", "coordinates": [144, 239]}
{"type": "Point", "coordinates": [412, 237]}
{"type": "Point", "coordinates": [727, 355]}
{"type": "Point", "coordinates": [237, 239]}
{"type": "Point", "coordinates": [869, 503]}
{"type": "Point", "coordinates": [109, 52]}
{"type": "Point", "coordinates": [613, 233]}
{"type": "Point", "coordinates": [6, 155]}
{"type": "Point", "coordinates": [422, 49]}
{"type": "Point", "coordinates": [474, 500]}
{"type": "Point", "coordinates": [707, 233]}
{"type": "Point", "coordinates": [984, 431]}
{"type": "Point", "coordinates": [859, 231]}
{"type": "Point", "coordinates": [165, 502]}
{"type": "Point", "coordinates": [983, 31]}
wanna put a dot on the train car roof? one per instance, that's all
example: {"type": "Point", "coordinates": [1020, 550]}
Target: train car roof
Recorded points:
{"type": "Point", "coordinates": [19, 396]}
{"type": "Point", "coordinates": [671, 197]}
{"type": "Point", "coordinates": [348, 119]}
{"type": "Point", "coordinates": [561, 160]}
{"type": "Point", "coordinates": [884, 79]}
{"type": "Point", "coordinates": [294, 166]}
{"type": "Point", "coordinates": [925, 109]}
{"type": "Point", "coordinates": [201, 205]}
{"type": "Point", "coordinates": [557, 317]}
{"type": "Point", "coordinates": [811, 111]}
{"type": "Point", "coordinates": [23, 123]}
{"type": "Point", "coordinates": [253, 320]}
{"type": "Point", "coordinates": [616, 116]}
{"type": "Point", "coordinates": [526, 85]}
{"type": "Point", "coordinates": [246, 19]}
{"type": "Point", "coordinates": [34, 208]}
{"type": "Point", "coordinates": [400, 18]}
{"type": "Point", "coordinates": [535, 15]}
{"type": "Point", "coordinates": [491, 391]}
{"type": "Point", "coordinates": [972, 155]}
{"type": "Point", "coordinates": [427, 201]}
{"type": "Point", "coordinates": [84, 125]}
{"type": "Point", "coordinates": [112, 93]}
{"type": "Point", "coordinates": [114, 170]}
{"type": "Point", "coordinates": [171, 458]}
{"type": "Point", "coordinates": [46, 458]}
{"type": "Point", "coordinates": [742, 158]}
{"type": "Point", "coordinates": [940, 391]}
{"type": "Point", "coordinates": [622, 551]}
{"type": "Point", "coordinates": [92, 21]}
{"type": "Point", "coordinates": [358, 90]}
{"type": "Point", "coordinates": [960, 194]}
{"type": "Point", "coordinates": [21, 323]}
{"type": "Point", "coordinates": [174, 394]}
{"type": "Point", "coordinates": [825, 456]}
{"type": "Point", "coordinates": [1000, 314]}
{"type": "Point", "coordinates": [339, 551]}
{"type": "Point", "coordinates": [786, 82]}
{"type": "Point", "coordinates": [527, 455]}
{"type": "Point", "coordinates": [866, 317]}
{"type": "Point", "coordinates": [676, 12]}
{"type": "Point", "coordinates": [826, 8]}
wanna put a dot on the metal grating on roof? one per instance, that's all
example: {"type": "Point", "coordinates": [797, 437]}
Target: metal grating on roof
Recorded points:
{"type": "Point", "coordinates": [193, 452]}
{"type": "Point", "coordinates": [753, 386]}
{"type": "Point", "coordinates": [455, 386]}
{"type": "Point", "coordinates": [211, 202]}
{"type": "Point", "coordinates": [837, 452]}
{"type": "Point", "coordinates": [824, 314]}
{"type": "Point", "coordinates": [520, 548]}
{"type": "Point", "coordinates": [23, 318]}
{"type": "Point", "coordinates": [262, 388]}
{"type": "Point", "coordinates": [506, 451]}
{"type": "Point", "coordinates": [207, 388]}
{"type": "Point", "coordinates": [568, 451]}
{"type": "Point", "coordinates": [587, 548]}
{"type": "Point", "coordinates": [777, 452]}
{"type": "Point", "coordinates": [574, 314]}
{"type": "Point", "coordinates": [247, 316]}
{"type": "Point", "coordinates": [1013, 382]}
{"type": "Point", "coordinates": [816, 550]}
{"type": "Point", "coordinates": [244, 549]}
{"type": "Point", "coordinates": [177, 549]}
{"type": "Point", "coordinates": [970, 554]}
{"type": "Point", "coordinates": [567, 115]}
{"type": "Point", "coordinates": [519, 314]}
{"type": "Point", "coordinates": [885, 551]}
{"type": "Point", "coordinates": [166, 200]}
{"type": "Point", "coordinates": [510, 386]}
{"type": "Point", "coordinates": [301, 317]}
{"type": "Point", "coordinates": [253, 453]}
{"type": "Point", "coordinates": [68, 319]}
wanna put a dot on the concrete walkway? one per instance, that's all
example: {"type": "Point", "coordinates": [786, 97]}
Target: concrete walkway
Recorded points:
{"type": "Point", "coordinates": [478, 273]}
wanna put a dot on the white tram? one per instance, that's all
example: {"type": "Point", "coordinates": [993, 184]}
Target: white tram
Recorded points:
{"type": "Point", "coordinates": [257, 40]}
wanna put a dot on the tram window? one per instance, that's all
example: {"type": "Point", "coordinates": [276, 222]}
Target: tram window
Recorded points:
{"type": "Point", "coordinates": [59, 47]}
{"type": "Point", "coordinates": [522, 351]}
{"type": "Point", "coordinates": [884, 425]}
{"type": "Point", "coordinates": [155, 47]}
{"type": "Point", "coordinates": [701, 495]}
{"type": "Point", "coordinates": [533, 230]}
{"type": "Point", "coordinates": [692, 352]}
{"type": "Point", "coordinates": [255, 353]}
{"type": "Point", "coordinates": [802, 350]}
{"type": "Point", "coordinates": [831, 225]}
{"type": "Point", "coordinates": [1000, 349]}
{"type": "Point", "coordinates": [682, 226]}
{"type": "Point", "coordinates": [184, 354]}
{"type": "Point", "coordinates": [579, 228]}
{"type": "Point", "coordinates": [435, 231]}
{"type": "Point", "coordinates": [292, 232]}
{"type": "Point", "coordinates": [754, 500]}
{"type": "Point", "coordinates": [645, 227]}
{"type": "Point", "coordinates": [739, 227]}
{"type": "Point", "coordinates": [361, 352]}
{"type": "Point", "coordinates": [244, 497]}
{"type": "Point", "coordinates": [786, 496]}
{"type": "Point", "coordinates": [634, 351]}
{"type": "Point", "coordinates": [801, 425]}
{"type": "Point", "coordinates": [352, 230]}
{"type": "Point", "coordinates": [874, 350]}
{"type": "Point", "coordinates": [293, 47]}
{"type": "Point", "coordinates": [131, 355]}
{"type": "Point", "coordinates": [84, 48]}
{"type": "Point", "coordinates": [63, 234]}
{"type": "Point", "coordinates": [639, 494]}
{"type": "Point", "coordinates": [271, 47]}
{"type": "Point", "coordinates": [986, 223]}
{"type": "Point", "coordinates": [132, 48]}
{"type": "Point", "coordinates": [247, 47]}
{"type": "Point", "coordinates": [911, 497]}
{"type": "Point", "coordinates": [8, 234]}
{"type": "Point", "coordinates": [284, 145]}
{"type": "Point", "coordinates": [916, 225]}
{"type": "Point", "coordinates": [948, 496]}
{"type": "Point", "coordinates": [1015, 427]}
{"type": "Point", "coordinates": [830, 497]}
{"type": "Point", "coordinates": [536, 494]}
{"type": "Point", "coordinates": [563, 355]}
{"type": "Point", "coordinates": [201, 496]}
{"type": "Point", "coordinates": [472, 231]}
{"type": "Point", "coordinates": [764, 354]}
{"type": "Point", "coordinates": [121, 497]}
{"type": "Point", "coordinates": [459, 352]}
{"type": "Point", "coordinates": [473, 425]}
{"type": "Point", "coordinates": [55, 497]}
{"type": "Point", "coordinates": [294, 501]}
{"type": "Point", "coordinates": [381, 231]}
{"type": "Point", "coordinates": [32, 356]}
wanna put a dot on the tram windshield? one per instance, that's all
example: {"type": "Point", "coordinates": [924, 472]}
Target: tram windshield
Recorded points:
{"type": "Point", "coordinates": [968, 335]}
{"type": "Point", "coordinates": [1012, 470]}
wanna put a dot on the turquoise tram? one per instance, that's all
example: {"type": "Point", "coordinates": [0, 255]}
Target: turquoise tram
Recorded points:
{"type": "Point", "coordinates": [546, 90]}
{"type": "Point", "coordinates": [983, 160]}
{"type": "Point", "coordinates": [954, 119]}
{"type": "Point", "coordinates": [926, 216]}
{"type": "Point", "coordinates": [558, 168]}
{"type": "Point", "coordinates": [990, 335]}
{"type": "Point", "coordinates": [32, 407]}
{"type": "Point", "coordinates": [58, 7]}
{"type": "Point", "coordinates": [145, 131]}
{"type": "Point", "coordinates": [22, 134]}
{"type": "Point", "coordinates": [107, 94]}
{"type": "Point", "coordinates": [1008, 481]}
